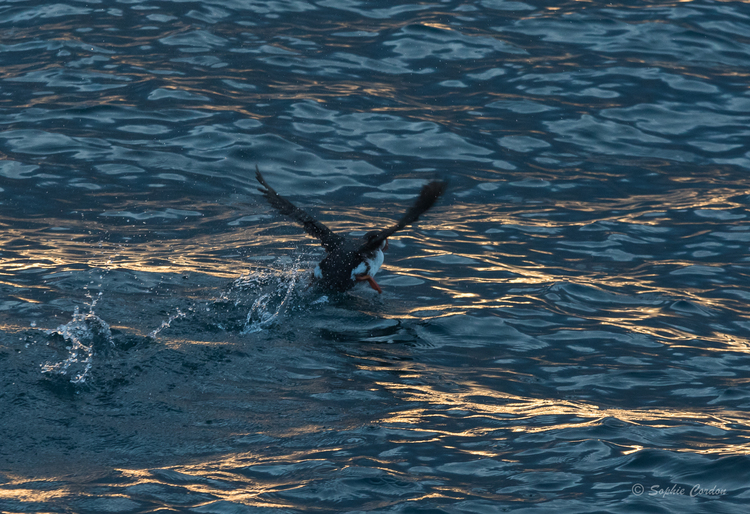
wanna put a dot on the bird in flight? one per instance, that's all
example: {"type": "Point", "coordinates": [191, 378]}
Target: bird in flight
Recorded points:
{"type": "Point", "coordinates": [350, 260]}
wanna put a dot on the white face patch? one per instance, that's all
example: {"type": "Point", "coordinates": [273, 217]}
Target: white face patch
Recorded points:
{"type": "Point", "coordinates": [361, 269]}
{"type": "Point", "coordinates": [369, 266]}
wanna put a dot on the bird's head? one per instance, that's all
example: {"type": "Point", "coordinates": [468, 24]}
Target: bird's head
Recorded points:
{"type": "Point", "coordinates": [372, 235]}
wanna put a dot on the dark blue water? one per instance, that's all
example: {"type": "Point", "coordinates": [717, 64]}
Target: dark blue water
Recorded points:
{"type": "Point", "coordinates": [566, 331]}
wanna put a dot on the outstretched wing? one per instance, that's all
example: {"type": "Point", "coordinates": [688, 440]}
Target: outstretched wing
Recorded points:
{"type": "Point", "coordinates": [427, 198]}
{"type": "Point", "coordinates": [328, 238]}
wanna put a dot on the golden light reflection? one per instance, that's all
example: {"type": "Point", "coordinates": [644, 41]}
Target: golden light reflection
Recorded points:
{"type": "Point", "coordinates": [250, 493]}
{"type": "Point", "coordinates": [21, 494]}
{"type": "Point", "coordinates": [511, 413]}
{"type": "Point", "coordinates": [436, 25]}
{"type": "Point", "coordinates": [633, 449]}
{"type": "Point", "coordinates": [489, 260]}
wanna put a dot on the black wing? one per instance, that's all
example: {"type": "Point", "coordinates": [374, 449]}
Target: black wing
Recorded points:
{"type": "Point", "coordinates": [427, 198]}
{"type": "Point", "coordinates": [328, 238]}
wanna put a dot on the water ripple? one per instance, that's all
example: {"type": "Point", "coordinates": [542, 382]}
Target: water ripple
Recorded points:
{"type": "Point", "coordinates": [565, 330]}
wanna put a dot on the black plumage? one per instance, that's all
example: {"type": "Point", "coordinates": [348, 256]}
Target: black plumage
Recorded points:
{"type": "Point", "coordinates": [346, 254]}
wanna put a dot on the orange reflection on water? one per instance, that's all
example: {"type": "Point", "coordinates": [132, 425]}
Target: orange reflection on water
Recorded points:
{"type": "Point", "coordinates": [249, 494]}
{"type": "Point", "coordinates": [21, 494]}
{"type": "Point", "coordinates": [509, 412]}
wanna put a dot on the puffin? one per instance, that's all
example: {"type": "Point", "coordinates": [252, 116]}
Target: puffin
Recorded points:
{"type": "Point", "coordinates": [350, 260]}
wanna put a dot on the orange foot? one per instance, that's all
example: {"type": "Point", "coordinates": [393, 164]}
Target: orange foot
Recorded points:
{"type": "Point", "coordinates": [371, 281]}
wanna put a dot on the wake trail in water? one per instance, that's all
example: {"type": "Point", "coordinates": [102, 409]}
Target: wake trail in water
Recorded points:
{"type": "Point", "coordinates": [250, 304]}
{"type": "Point", "coordinates": [259, 299]}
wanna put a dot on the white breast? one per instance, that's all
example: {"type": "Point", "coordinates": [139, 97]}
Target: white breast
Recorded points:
{"type": "Point", "coordinates": [376, 262]}
{"type": "Point", "coordinates": [369, 266]}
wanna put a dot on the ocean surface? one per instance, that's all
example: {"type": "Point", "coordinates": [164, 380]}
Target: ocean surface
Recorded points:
{"type": "Point", "coordinates": [567, 330]}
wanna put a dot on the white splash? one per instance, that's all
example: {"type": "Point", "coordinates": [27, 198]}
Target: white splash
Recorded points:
{"type": "Point", "coordinates": [268, 306]}
{"type": "Point", "coordinates": [167, 323]}
{"type": "Point", "coordinates": [83, 332]}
